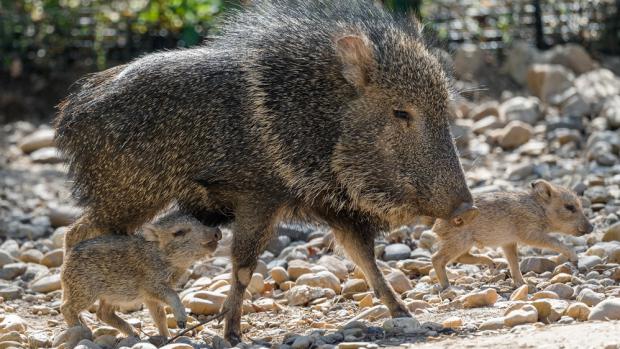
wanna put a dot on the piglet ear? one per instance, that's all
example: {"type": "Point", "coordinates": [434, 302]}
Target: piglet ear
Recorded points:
{"type": "Point", "coordinates": [355, 53]}
{"type": "Point", "coordinates": [150, 232]}
{"type": "Point", "coordinates": [542, 188]}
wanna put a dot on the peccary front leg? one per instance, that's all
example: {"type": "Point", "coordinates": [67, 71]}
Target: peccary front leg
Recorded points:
{"type": "Point", "coordinates": [512, 256]}
{"type": "Point", "coordinates": [358, 242]}
{"type": "Point", "coordinates": [158, 314]}
{"type": "Point", "coordinates": [449, 248]}
{"type": "Point", "coordinates": [252, 231]}
{"type": "Point", "coordinates": [543, 240]}
{"type": "Point", "coordinates": [167, 295]}
{"type": "Point", "coordinates": [469, 258]}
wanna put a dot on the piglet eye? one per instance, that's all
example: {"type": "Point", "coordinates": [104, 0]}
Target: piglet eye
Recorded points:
{"type": "Point", "coordinates": [570, 208]}
{"type": "Point", "coordinates": [179, 232]}
{"type": "Point", "coordinates": [401, 114]}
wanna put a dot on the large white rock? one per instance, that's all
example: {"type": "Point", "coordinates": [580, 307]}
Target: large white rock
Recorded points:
{"type": "Point", "coordinates": [608, 309]}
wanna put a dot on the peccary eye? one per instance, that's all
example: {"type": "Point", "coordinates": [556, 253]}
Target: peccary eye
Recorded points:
{"type": "Point", "coordinates": [570, 208]}
{"type": "Point", "coordinates": [401, 114]}
{"type": "Point", "coordinates": [179, 232]}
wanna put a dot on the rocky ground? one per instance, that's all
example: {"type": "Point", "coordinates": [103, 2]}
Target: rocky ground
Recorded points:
{"type": "Point", "coordinates": [560, 123]}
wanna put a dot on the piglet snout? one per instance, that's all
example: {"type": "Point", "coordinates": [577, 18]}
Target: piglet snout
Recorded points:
{"type": "Point", "coordinates": [587, 228]}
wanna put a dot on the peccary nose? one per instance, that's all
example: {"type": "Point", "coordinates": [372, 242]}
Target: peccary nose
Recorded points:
{"type": "Point", "coordinates": [464, 213]}
{"type": "Point", "coordinates": [588, 228]}
{"type": "Point", "coordinates": [217, 234]}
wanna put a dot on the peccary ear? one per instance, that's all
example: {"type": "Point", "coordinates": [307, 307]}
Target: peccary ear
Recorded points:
{"type": "Point", "coordinates": [356, 55]}
{"type": "Point", "coordinates": [542, 188]}
{"type": "Point", "coordinates": [150, 232]}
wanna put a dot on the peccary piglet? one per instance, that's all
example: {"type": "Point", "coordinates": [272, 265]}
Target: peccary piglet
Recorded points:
{"type": "Point", "coordinates": [126, 269]}
{"type": "Point", "coordinates": [507, 219]}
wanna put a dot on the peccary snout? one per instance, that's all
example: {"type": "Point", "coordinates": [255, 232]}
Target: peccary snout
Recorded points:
{"type": "Point", "coordinates": [214, 234]}
{"type": "Point", "coordinates": [587, 228]}
{"type": "Point", "coordinates": [464, 213]}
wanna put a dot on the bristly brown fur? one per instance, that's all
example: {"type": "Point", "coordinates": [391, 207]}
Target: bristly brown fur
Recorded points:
{"type": "Point", "coordinates": [332, 109]}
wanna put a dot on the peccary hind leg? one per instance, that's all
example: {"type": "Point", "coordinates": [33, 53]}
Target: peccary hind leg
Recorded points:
{"type": "Point", "coordinates": [106, 314]}
{"type": "Point", "coordinates": [358, 241]}
{"type": "Point", "coordinates": [73, 305]}
{"type": "Point", "coordinates": [252, 231]}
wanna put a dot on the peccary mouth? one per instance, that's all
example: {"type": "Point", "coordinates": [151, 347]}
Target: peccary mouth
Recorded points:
{"type": "Point", "coordinates": [210, 245]}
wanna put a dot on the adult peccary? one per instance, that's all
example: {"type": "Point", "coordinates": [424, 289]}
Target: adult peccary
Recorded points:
{"type": "Point", "coordinates": [326, 110]}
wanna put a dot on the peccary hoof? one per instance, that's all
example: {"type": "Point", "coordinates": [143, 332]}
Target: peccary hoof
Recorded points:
{"type": "Point", "coordinates": [158, 341]}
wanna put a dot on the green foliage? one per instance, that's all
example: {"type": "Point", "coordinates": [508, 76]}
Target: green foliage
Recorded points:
{"type": "Point", "coordinates": [404, 6]}
{"type": "Point", "coordinates": [55, 34]}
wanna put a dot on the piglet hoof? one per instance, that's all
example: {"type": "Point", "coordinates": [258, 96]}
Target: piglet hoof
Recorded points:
{"type": "Point", "coordinates": [400, 314]}
{"type": "Point", "coordinates": [233, 338]}
{"type": "Point", "coordinates": [451, 292]}
{"type": "Point", "coordinates": [181, 324]}
{"type": "Point", "coordinates": [400, 311]}
{"type": "Point", "coordinates": [438, 288]}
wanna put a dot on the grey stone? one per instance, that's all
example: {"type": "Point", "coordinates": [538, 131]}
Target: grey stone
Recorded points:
{"type": "Point", "coordinates": [587, 262]}
{"type": "Point", "coordinates": [6, 258]}
{"type": "Point", "coordinates": [548, 81]}
{"type": "Point", "coordinates": [87, 344]}
{"type": "Point", "coordinates": [333, 338]}
{"type": "Point", "coordinates": [590, 297]}
{"type": "Point", "coordinates": [536, 264]}
{"type": "Point", "coordinates": [11, 247]}
{"type": "Point", "coordinates": [39, 139]}
{"type": "Point", "coordinates": [520, 171]}
{"type": "Point", "coordinates": [278, 244]}
{"type": "Point", "coordinates": [12, 270]}
{"type": "Point", "coordinates": [395, 252]}
{"type": "Point", "coordinates": [596, 86]}
{"type": "Point", "coordinates": [47, 155]}
{"type": "Point", "coordinates": [63, 215]}
{"type": "Point", "coordinates": [608, 309]}
{"type": "Point", "coordinates": [525, 109]}
{"type": "Point", "coordinates": [143, 345]}
{"type": "Point", "coordinates": [303, 342]}
{"type": "Point", "coordinates": [11, 292]}
{"type": "Point", "coordinates": [400, 326]}
{"type": "Point", "coordinates": [562, 290]}
{"type": "Point", "coordinates": [514, 134]}
{"type": "Point", "coordinates": [297, 232]}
